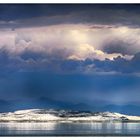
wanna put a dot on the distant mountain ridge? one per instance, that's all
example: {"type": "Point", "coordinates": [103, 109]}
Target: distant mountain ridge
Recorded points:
{"type": "Point", "coordinates": [10, 106]}
{"type": "Point", "coordinates": [7, 106]}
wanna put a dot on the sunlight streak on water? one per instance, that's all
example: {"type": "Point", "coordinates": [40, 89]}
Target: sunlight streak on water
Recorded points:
{"type": "Point", "coordinates": [28, 126]}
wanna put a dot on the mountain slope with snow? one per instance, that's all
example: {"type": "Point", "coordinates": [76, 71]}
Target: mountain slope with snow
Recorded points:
{"type": "Point", "coordinates": [42, 115]}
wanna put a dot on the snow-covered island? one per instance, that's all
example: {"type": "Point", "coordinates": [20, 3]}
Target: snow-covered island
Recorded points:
{"type": "Point", "coordinates": [45, 115]}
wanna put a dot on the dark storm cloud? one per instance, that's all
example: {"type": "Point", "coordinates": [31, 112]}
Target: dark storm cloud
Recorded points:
{"type": "Point", "coordinates": [7, 63]}
{"type": "Point", "coordinates": [36, 61]}
{"type": "Point", "coordinates": [118, 46]}
{"type": "Point", "coordinates": [14, 15]}
{"type": "Point", "coordinates": [120, 64]}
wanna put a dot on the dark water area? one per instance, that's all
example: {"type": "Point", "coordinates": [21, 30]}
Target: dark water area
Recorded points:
{"type": "Point", "coordinates": [70, 129]}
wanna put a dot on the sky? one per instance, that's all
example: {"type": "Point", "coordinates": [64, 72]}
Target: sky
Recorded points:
{"type": "Point", "coordinates": [70, 56]}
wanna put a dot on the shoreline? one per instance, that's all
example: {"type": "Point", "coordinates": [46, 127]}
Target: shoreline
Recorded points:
{"type": "Point", "coordinates": [51, 121]}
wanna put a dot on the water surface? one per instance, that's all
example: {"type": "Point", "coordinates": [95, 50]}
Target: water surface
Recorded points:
{"type": "Point", "coordinates": [70, 129]}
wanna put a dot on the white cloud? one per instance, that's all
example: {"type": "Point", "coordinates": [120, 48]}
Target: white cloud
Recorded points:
{"type": "Point", "coordinates": [77, 41]}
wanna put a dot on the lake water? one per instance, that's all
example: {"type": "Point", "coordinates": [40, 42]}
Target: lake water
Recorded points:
{"type": "Point", "coordinates": [70, 129]}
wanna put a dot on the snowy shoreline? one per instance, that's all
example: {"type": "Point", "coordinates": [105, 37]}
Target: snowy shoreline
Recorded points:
{"type": "Point", "coordinates": [63, 116]}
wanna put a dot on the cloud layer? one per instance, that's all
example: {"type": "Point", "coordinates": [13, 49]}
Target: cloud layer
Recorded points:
{"type": "Point", "coordinates": [59, 47]}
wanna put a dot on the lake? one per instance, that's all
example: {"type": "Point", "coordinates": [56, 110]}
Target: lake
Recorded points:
{"type": "Point", "coordinates": [70, 129]}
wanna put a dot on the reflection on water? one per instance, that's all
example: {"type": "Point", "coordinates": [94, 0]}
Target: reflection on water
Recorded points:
{"type": "Point", "coordinates": [98, 128]}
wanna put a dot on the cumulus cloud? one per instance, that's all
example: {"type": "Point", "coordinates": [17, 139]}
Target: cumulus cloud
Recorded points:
{"type": "Point", "coordinates": [79, 41]}
{"type": "Point", "coordinates": [67, 47]}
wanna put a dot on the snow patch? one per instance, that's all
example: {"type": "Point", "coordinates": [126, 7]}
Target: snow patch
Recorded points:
{"type": "Point", "coordinates": [43, 115]}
